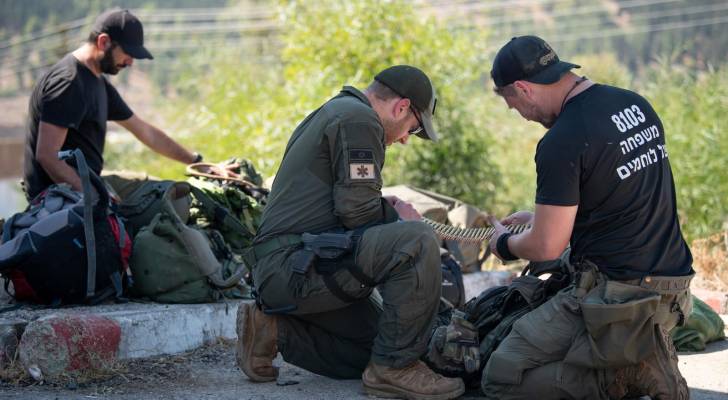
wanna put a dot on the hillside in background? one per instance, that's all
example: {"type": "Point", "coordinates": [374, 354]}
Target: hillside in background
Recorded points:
{"type": "Point", "coordinates": [233, 78]}
{"type": "Point", "coordinates": [34, 33]}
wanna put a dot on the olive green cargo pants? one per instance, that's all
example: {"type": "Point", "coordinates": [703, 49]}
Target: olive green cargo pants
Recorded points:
{"type": "Point", "coordinates": [390, 325]}
{"type": "Point", "coordinates": [569, 347]}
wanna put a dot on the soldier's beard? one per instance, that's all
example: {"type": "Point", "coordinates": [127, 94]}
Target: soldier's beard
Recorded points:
{"type": "Point", "coordinates": [107, 63]}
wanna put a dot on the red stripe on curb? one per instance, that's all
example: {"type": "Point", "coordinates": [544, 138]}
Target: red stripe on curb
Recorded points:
{"type": "Point", "coordinates": [63, 344]}
{"type": "Point", "coordinates": [90, 339]}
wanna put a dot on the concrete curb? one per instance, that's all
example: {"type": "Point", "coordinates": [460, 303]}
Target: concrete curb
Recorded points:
{"type": "Point", "coordinates": [172, 329]}
{"type": "Point", "coordinates": [151, 329]}
{"type": "Point", "coordinates": [57, 345]}
{"type": "Point", "coordinates": [147, 329]}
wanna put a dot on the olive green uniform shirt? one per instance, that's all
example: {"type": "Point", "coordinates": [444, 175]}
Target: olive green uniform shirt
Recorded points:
{"type": "Point", "coordinates": [330, 176]}
{"type": "Point", "coordinates": [330, 179]}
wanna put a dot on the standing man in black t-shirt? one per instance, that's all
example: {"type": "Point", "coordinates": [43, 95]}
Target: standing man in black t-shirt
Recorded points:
{"type": "Point", "coordinates": [71, 103]}
{"type": "Point", "coordinates": [604, 187]}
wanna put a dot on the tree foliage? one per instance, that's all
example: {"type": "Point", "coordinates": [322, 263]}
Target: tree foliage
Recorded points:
{"type": "Point", "coordinates": [251, 112]}
{"type": "Point", "coordinates": [693, 111]}
{"type": "Point", "coordinates": [486, 153]}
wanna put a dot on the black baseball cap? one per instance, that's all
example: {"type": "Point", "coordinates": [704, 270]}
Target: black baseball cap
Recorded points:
{"type": "Point", "coordinates": [411, 83]}
{"type": "Point", "coordinates": [123, 28]}
{"type": "Point", "coordinates": [528, 58]}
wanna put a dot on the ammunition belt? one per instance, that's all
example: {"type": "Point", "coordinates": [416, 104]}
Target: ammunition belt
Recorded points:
{"type": "Point", "coordinates": [469, 235]}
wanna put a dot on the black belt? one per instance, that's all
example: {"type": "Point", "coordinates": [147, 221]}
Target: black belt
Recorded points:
{"type": "Point", "coordinates": [259, 251]}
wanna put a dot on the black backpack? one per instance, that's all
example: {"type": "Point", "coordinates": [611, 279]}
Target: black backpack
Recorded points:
{"type": "Point", "coordinates": [496, 309]}
{"type": "Point", "coordinates": [66, 248]}
{"type": "Point", "coordinates": [453, 288]}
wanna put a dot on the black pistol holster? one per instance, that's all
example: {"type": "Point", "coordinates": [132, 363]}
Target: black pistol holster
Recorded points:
{"type": "Point", "coordinates": [323, 252]}
{"type": "Point", "coordinates": [329, 252]}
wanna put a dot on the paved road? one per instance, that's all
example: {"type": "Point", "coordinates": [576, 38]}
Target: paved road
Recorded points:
{"type": "Point", "coordinates": [210, 373]}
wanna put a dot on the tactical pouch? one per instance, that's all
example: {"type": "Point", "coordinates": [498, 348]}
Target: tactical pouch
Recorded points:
{"type": "Point", "coordinates": [619, 320]}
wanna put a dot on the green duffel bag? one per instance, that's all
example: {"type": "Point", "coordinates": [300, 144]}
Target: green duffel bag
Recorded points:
{"type": "Point", "coordinates": [702, 326]}
{"type": "Point", "coordinates": [172, 262]}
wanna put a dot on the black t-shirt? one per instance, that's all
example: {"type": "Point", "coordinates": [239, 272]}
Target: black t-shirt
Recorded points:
{"type": "Point", "coordinates": [606, 153]}
{"type": "Point", "coordinates": [71, 96]}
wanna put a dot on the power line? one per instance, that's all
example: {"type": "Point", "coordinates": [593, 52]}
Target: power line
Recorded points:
{"type": "Point", "coordinates": [566, 38]}
{"type": "Point", "coordinates": [193, 14]}
{"type": "Point", "coordinates": [270, 42]}
{"type": "Point", "coordinates": [60, 43]}
{"type": "Point", "coordinates": [475, 7]}
{"type": "Point", "coordinates": [263, 26]}
{"type": "Point", "coordinates": [570, 14]}
{"type": "Point", "coordinates": [155, 16]}
{"type": "Point", "coordinates": [151, 17]}
{"type": "Point", "coordinates": [635, 18]}
{"type": "Point", "coordinates": [480, 6]}
{"type": "Point", "coordinates": [241, 29]}
{"type": "Point", "coordinates": [46, 32]}
{"type": "Point", "coordinates": [647, 29]}
{"type": "Point", "coordinates": [271, 26]}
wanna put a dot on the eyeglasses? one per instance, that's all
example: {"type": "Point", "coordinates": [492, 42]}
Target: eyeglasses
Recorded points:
{"type": "Point", "coordinates": [419, 128]}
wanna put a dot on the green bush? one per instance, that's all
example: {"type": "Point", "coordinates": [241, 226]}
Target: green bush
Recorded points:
{"type": "Point", "coordinates": [693, 111]}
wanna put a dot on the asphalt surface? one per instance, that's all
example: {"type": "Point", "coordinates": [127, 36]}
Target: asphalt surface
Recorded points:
{"type": "Point", "coordinates": [211, 373]}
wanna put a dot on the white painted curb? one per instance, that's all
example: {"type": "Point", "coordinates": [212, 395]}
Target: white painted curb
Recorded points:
{"type": "Point", "coordinates": [173, 328]}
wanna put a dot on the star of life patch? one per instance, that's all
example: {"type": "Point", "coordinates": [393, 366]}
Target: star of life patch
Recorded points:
{"type": "Point", "coordinates": [361, 171]}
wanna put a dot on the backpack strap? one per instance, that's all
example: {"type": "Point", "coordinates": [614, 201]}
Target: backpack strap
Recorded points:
{"type": "Point", "coordinates": [197, 244]}
{"type": "Point", "coordinates": [88, 222]}
{"type": "Point", "coordinates": [8, 228]}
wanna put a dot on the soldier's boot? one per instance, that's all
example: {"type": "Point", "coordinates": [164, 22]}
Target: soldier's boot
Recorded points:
{"type": "Point", "coordinates": [415, 382]}
{"type": "Point", "coordinates": [256, 346]}
{"type": "Point", "coordinates": [658, 376]}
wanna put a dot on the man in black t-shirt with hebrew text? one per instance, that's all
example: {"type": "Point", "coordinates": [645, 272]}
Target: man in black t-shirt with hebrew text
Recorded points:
{"type": "Point", "coordinates": [73, 100]}
{"type": "Point", "coordinates": [604, 187]}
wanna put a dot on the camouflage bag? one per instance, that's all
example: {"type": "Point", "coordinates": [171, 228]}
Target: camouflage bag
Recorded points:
{"type": "Point", "coordinates": [174, 262]}
{"type": "Point", "coordinates": [236, 186]}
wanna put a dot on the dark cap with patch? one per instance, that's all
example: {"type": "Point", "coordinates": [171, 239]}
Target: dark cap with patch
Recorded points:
{"type": "Point", "coordinates": [528, 58]}
{"type": "Point", "coordinates": [125, 29]}
{"type": "Point", "coordinates": [411, 83]}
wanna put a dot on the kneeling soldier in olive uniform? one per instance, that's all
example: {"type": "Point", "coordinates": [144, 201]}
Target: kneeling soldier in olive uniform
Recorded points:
{"type": "Point", "coordinates": [328, 238]}
{"type": "Point", "coordinates": [606, 336]}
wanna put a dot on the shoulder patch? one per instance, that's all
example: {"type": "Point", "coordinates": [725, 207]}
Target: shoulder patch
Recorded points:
{"type": "Point", "coordinates": [361, 155]}
{"type": "Point", "coordinates": [358, 171]}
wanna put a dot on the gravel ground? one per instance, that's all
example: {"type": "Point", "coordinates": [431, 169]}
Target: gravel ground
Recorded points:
{"type": "Point", "coordinates": [210, 373]}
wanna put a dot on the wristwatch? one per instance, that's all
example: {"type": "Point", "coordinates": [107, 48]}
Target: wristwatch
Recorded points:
{"type": "Point", "coordinates": [198, 158]}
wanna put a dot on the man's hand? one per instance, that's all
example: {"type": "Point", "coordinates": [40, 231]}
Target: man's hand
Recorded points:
{"type": "Point", "coordinates": [518, 218]}
{"type": "Point", "coordinates": [547, 238]}
{"type": "Point", "coordinates": [499, 230]}
{"type": "Point", "coordinates": [405, 209]}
